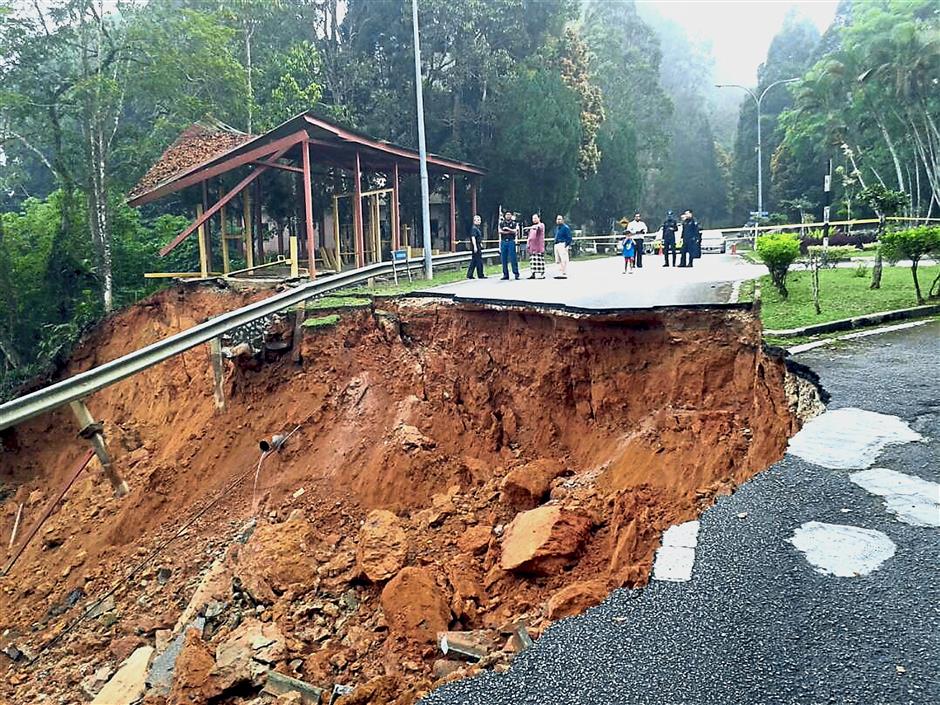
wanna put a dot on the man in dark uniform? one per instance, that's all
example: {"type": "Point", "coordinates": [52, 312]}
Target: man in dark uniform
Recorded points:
{"type": "Point", "coordinates": [691, 239]}
{"type": "Point", "coordinates": [670, 226]}
{"type": "Point", "coordinates": [476, 249]}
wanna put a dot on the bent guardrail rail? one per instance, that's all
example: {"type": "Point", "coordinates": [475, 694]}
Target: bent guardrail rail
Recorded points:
{"type": "Point", "coordinates": [86, 383]}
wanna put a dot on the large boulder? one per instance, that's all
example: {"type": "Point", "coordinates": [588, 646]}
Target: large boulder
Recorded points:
{"type": "Point", "coordinates": [575, 598]}
{"type": "Point", "coordinates": [247, 654]}
{"type": "Point", "coordinates": [541, 541]}
{"type": "Point", "coordinates": [527, 486]}
{"type": "Point", "coordinates": [192, 682]}
{"type": "Point", "coordinates": [414, 605]}
{"type": "Point", "coordinates": [279, 558]}
{"type": "Point", "coordinates": [383, 546]}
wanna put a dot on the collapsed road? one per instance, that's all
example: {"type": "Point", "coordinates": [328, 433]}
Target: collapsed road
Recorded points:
{"type": "Point", "coordinates": [758, 622]}
{"type": "Point", "coordinates": [467, 471]}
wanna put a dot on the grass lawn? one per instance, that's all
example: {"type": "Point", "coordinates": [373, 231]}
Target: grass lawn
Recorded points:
{"type": "Point", "coordinates": [842, 295]}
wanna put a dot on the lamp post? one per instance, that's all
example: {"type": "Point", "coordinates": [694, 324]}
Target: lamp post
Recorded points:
{"type": "Point", "coordinates": [422, 149]}
{"type": "Point", "coordinates": [758, 99]}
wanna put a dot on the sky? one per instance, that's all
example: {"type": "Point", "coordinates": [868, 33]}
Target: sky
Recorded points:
{"type": "Point", "coordinates": [739, 31]}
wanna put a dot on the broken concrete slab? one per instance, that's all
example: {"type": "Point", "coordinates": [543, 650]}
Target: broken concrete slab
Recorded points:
{"type": "Point", "coordinates": [468, 645]}
{"type": "Point", "coordinates": [129, 683]}
{"type": "Point", "coordinates": [278, 684]}
{"type": "Point", "coordinates": [339, 691]}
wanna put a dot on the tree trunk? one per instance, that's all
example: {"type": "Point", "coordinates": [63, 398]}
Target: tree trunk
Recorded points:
{"type": "Point", "coordinates": [98, 214]}
{"type": "Point", "coordinates": [816, 264]}
{"type": "Point", "coordinates": [876, 270]}
{"type": "Point", "coordinates": [920, 296]}
{"type": "Point", "coordinates": [249, 31]}
{"type": "Point", "coordinates": [935, 287]}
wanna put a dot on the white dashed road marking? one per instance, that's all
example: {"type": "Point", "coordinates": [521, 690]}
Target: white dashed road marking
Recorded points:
{"type": "Point", "coordinates": [849, 439]}
{"type": "Point", "coordinates": [840, 550]}
{"type": "Point", "coordinates": [676, 557]}
{"type": "Point", "coordinates": [913, 500]}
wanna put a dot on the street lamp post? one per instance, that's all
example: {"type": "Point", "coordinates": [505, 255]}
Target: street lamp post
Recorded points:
{"type": "Point", "coordinates": [422, 149]}
{"type": "Point", "coordinates": [758, 99]}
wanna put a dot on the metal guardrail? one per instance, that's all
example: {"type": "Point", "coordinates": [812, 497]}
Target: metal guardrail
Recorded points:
{"type": "Point", "coordinates": [85, 383]}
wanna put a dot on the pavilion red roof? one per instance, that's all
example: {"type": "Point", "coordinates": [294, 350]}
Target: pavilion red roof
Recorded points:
{"type": "Point", "coordinates": [197, 144]}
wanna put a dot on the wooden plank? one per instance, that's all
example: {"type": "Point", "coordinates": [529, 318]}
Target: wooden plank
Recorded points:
{"type": "Point", "coordinates": [295, 257]}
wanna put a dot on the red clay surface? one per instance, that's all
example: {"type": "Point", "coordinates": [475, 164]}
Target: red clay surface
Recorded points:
{"type": "Point", "coordinates": [528, 463]}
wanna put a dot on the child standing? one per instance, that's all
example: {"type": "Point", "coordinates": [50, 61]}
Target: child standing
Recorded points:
{"type": "Point", "coordinates": [629, 254]}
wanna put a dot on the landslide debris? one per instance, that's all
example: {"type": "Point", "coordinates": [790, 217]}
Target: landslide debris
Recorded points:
{"type": "Point", "coordinates": [460, 471]}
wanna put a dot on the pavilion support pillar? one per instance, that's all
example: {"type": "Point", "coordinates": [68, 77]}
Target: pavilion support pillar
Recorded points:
{"type": "Point", "coordinates": [336, 243]}
{"type": "Point", "coordinates": [453, 213]}
{"type": "Point", "coordinates": [357, 214]}
{"type": "Point", "coordinates": [473, 198]}
{"type": "Point", "coordinates": [207, 228]}
{"type": "Point", "coordinates": [396, 216]}
{"type": "Point", "coordinates": [246, 229]}
{"type": "Point", "coordinates": [203, 245]}
{"type": "Point", "coordinates": [256, 226]}
{"type": "Point", "coordinates": [308, 216]}
{"type": "Point", "coordinates": [92, 431]}
{"type": "Point", "coordinates": [223, 236]}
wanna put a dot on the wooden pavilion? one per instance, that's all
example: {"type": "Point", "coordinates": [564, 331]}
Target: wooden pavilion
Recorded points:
{"type": "Point", "coordinates": [207, 155]}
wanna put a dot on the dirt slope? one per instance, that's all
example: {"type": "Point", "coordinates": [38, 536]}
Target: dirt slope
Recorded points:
{"type": "Point", "coordinates": [459, 420]}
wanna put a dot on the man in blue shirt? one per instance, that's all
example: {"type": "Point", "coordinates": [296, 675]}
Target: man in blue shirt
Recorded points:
{"type": "Point", "coordinates": [562, 244]}
{"type": "Point", "coordinates": [507, 244]}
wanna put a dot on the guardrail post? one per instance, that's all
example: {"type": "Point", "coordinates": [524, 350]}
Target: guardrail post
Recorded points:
{"type": "Point", "coordinates": [215, 357]}
{"type": "Point", "coordinates": [91, 430]}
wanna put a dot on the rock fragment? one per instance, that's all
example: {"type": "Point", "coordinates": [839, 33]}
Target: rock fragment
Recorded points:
{"type": "Point", "coordinates": [383, 546]}
{"type": "Point", "coordinates": [415, 606]}
{"type": "Point", "coordinates": [541, 541]}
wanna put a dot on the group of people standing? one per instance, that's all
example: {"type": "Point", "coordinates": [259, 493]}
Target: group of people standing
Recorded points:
{"type": "Point", "coordinates": [509, 231]}
{"type": "Point", "coordinates": [635, 232]}
{"type": "Point", "coordinates": [631, 245]}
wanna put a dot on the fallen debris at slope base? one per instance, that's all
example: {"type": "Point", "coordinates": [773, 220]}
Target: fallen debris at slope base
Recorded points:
{"type": "Point", "coordinates": [458, 468]}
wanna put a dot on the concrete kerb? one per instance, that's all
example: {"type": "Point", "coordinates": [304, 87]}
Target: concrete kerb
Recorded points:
{"type": "Point", "coordinates": [869, 319]}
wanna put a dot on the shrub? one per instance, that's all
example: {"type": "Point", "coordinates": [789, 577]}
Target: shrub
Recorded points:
{"type": "Point", "coordinates": [861, 271]}
{"type": "Point", "coordinates": [912, 244]}
{"type": "Point", "coordinates": [778, 251]}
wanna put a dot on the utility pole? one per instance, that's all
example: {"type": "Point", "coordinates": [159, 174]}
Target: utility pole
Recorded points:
{"type": "Point", "coordinates": [422, 149]}
{"type": "Point", "coordinates": [827, 201]}
{"type": "Point", "coordinates": [760, 145]}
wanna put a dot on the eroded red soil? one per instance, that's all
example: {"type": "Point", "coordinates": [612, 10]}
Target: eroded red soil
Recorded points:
{"type": "Point", "coordinates": [525, 463]}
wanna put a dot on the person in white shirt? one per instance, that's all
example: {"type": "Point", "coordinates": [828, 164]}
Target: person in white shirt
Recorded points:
{"type": "Point", "coordinates": [637, 228]}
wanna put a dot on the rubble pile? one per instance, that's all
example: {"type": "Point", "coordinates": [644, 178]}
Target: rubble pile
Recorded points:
{"type": "Point", "coordinates": [443, 502]}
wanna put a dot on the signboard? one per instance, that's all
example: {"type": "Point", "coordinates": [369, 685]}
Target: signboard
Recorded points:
{"type": "Point", "coordinates": [825, 214]}
{"type": "Point", "coordinates": [828, 183]}
{"type": "Point", "coordinates": [400, 257]}
{"type": "Point", "coordinates": [759, 214]}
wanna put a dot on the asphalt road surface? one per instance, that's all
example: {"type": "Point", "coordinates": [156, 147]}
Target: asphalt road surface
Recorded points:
{"type": "Point", "coordinates": [600, 283]}
{"type": "Point", "coordinates": [757, 623]}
